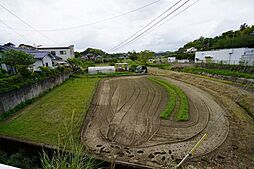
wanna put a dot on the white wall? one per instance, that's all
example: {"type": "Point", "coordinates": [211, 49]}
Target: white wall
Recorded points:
{"type": "Point", "coordinates": [37, 64]}
{"type": "Point", "coordinates": [69, 52]}
{"type": "Point", "coordinates": [48, 60]}
{"type": "Point", "coordinates": [227, 56]}
{"type": "Point", "coordinates": [171, 59]}
{"type": "Point", "coordinates": [42, 62]}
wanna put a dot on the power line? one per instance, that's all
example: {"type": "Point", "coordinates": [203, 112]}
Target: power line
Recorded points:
{"type": "Point", "coordinates": [151, 26]}
{"type": "Point", "coordinates": [15, 31]}
{"type": "Point", "coordinates": [165, 21]}
{"type": "Point", "coordinates": [27, 24]}
{"type": "Point", "coordinates": [96, 22]}
{"type": "Point", "coordinates": [147, 24]}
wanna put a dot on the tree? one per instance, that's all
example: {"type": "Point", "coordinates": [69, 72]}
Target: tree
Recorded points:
{"type": "Point", "coordinates": [133, 55]}
{"type": "Point", "coordinates": [77, 55]}
{"type": "Point", "coordinates": [243, 26]}
{"type": "Point", "coordinates": [95, 52]}
{"type": "Point", "coordinates": [19, 60]}
{"type": "Point", "coordinates": [145, 55]}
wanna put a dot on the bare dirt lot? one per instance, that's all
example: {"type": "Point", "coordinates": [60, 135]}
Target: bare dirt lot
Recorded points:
{"type": "Point", "coordinates": [124, 123]}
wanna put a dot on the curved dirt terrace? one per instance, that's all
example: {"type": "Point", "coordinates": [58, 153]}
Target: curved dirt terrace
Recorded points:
{"type": "Point", "coordinates": [125, 122]}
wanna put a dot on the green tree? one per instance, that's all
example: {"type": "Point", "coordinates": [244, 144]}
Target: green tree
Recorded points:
{"type": "Point", "coordinates": [19, 60]}
{"type": "Point", "coordinates": [145, 55]}
{"type": "Point", "coordinates": [77, 55]}
{"type": "Point", "coordinates": [133, 55]}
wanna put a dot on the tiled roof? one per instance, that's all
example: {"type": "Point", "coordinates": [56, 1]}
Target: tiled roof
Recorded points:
{"type": "Point", "coordinates": [37, 54]}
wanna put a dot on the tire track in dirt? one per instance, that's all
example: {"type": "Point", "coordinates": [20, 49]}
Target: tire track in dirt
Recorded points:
{"type": "Point", "coordinates": [127, 122]}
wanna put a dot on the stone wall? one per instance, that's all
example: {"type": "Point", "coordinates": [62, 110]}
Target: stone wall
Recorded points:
{"type": "Point", "coordinates": [11, 99]}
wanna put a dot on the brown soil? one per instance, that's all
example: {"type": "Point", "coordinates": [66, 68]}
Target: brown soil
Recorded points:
{"type": "Point", "coordinates": [238, 149]}
{"type": "Point", "coordinates": [124, 123]}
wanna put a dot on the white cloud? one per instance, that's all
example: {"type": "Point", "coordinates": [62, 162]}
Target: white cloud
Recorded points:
{"type": "Point", "coordinates": [206, 18]}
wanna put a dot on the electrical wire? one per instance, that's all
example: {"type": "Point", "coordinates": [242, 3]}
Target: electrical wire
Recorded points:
{"type": "Point", "coordinates": [126, 43]}
{"type": "Point", "coordinates": [165, 21]}
{"type": "Point", "coordinates": [96, 22]}
{"type": "Point", "coordinates": [147, 25]}
{"type": "Point", "coordinates": [15, 31]}
{"type": "Point", "coordinates": [27, 24]}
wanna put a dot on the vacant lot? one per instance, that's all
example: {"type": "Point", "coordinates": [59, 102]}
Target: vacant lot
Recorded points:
{"type": "Point", "coordinates": [124, 122]}
{"type": "Point", "coordinates": [49, 117]}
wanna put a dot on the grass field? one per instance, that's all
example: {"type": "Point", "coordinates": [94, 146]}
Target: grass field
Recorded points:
{"type": "Point", "coordinates": [47, 119]}
{"type": "Point", "coordinates": [174, 92]}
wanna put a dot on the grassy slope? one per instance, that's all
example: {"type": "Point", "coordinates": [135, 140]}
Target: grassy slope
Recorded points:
{"type": "Point", "coordinates": [219, 72]}
{"type": "Point", "coordinates": [47, 118]}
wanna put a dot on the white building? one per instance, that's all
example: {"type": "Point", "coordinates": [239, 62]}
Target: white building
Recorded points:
{"type": "Point", "coordinates": [191, 50]}
{"type": "Point", "coordinates": [101, 69]}
{"type": "Point", "coordinates": [63, 52]}
{"type": "Point", "coordinates": [171, 59]}
{"type": "Point", "coordinates": [227, 56]}
{"type": "Point", "coordinates": [42, 58]}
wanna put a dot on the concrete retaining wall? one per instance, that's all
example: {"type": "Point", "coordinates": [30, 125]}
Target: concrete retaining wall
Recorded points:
{"type": "Point", "coordinates": [11, 99]}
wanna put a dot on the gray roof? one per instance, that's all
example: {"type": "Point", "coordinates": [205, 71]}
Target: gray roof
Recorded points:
{"type": "Point", "coordinates": [37, 54]}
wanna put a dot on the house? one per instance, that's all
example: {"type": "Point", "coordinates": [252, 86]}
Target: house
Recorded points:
{"type": "Point", "coordinates": [42, 58]}
{"type": "Point", "coordinates": [63, 52]}
{"type": "Point", "coordinates": [171, 59]}
{"type": "Point", "coordinates": [227, 56]}
{"type": "Point", "coordinates": [88, 56]}
{"type": "Point", "coordinates": [29, 47]}
{"type": "Point", "coordinates": [191, 50]}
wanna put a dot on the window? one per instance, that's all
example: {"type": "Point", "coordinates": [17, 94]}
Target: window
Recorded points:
{"type": "Point", "coordinates": [62, 52]}
{"type": "Point", "coordinates": [53, 53]}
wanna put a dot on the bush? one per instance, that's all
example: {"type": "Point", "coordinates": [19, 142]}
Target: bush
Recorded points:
{"type": "Point", "coordinates": [3, 73]}
{"type": "Point", "coordinates": [19, 81]}
{"type": "Point", "coordinates": [18, 159]}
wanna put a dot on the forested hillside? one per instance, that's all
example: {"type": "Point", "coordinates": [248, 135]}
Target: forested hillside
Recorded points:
{"type": "Point", "coordinates": [244, 37]}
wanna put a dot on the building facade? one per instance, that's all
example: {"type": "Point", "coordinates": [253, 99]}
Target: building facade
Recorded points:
{"type": "Point", "coordinates": [171, 59]}
{"type": "Point", "coordinates": [63, 52]}
{"type": "Point", "coordinates": [42, 58]}
{"type": "Point", "coordinates": [235, 56]}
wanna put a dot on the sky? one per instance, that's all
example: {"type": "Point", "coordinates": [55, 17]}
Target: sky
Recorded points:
{"type": "Point", "coordinates": [105, 24]}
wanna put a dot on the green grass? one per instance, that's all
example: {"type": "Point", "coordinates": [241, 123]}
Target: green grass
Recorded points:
{"type": "Point", "coordinates": [197, 70]}
{"type": "Point", "coordinates": [171, 101]}
{"type": "Point", "coordinates": [174, 92]}
{"type": "Point", "coordinates": [183, 113]}
{"type": "Point", "coordinates": [46, 119]}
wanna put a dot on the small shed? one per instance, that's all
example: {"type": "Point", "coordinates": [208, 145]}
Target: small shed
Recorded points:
{"type": "Point", "coordinates": [101, 69]}
{"type": "Point", "coordinates": [171, 59]}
